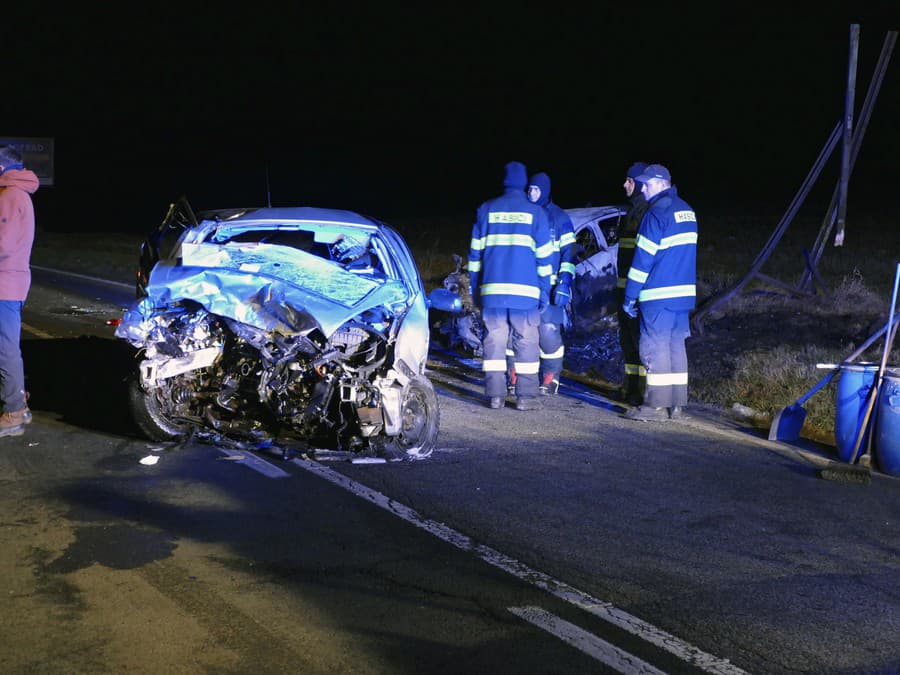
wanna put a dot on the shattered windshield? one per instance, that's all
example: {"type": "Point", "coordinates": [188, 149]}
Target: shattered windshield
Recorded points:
{"type": "Point", "coordinates": [323, 277]}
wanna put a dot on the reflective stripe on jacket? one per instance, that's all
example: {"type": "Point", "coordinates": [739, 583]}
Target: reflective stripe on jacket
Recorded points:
{"type": "Point", "coordinates": [510, 252]}
{"type": "Point", "coordinates": [562, 238]}
{"type": "Point", "coordinates": [664, 269]}
{"type": "Point", "coordinates": [627, 235]}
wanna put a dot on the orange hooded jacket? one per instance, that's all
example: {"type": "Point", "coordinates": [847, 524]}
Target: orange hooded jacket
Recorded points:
{"type": "Point", "coordinates": [16, 232]}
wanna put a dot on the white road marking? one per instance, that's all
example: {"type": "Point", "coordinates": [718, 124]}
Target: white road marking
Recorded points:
{"type": "Point", "coordinates": [604, 610]}
{"type": "Point", "coordinates": [595, 647]}
{"type": "Point", "coordinates": [258, 464]}
{"type": "Point", "coordinates": [107, 282]}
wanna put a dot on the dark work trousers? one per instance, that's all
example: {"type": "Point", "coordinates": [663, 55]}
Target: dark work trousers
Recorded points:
{"type": "Point", "coordinates": [629, 340]}
{"type": "Point", "coordinates": [663, 332]}
{"type": "Point", "coordinates": [519, 328]}
{"type": "Point", "coordinates": [551, 341]}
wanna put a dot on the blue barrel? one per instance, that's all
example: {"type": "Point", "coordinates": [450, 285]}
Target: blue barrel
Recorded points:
{"type": "Point", "coordinates": [887, 424]}
{"type": "Point", "coordinates": [853, 389]}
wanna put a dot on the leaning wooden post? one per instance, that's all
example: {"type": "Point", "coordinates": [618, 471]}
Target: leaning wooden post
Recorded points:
{"type": "Point", "coordinates": [848, 134]}
{"type": "Point", "coordinates": [865, 114]}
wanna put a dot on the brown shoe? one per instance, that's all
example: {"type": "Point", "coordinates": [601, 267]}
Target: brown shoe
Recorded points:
{"type": "Point", "coordinates": [13, 423]}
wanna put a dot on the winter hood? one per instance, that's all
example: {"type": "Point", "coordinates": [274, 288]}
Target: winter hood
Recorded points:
{"type": "Point", "coordinates": [542, 181]}
{"type": "Point", "coordinates": [24, 179]}
{"type": "Point", "coordinates": [515, 176]}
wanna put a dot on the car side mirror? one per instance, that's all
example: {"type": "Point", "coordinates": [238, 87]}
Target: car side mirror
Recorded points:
{"type": "Point", "coordinates": [445, 301]}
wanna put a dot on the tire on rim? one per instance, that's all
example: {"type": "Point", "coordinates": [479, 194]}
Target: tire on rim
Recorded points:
{"type": "Point", "coordinates": [420, 419]}
{"type": "Point", "coordinates": [149, 413]}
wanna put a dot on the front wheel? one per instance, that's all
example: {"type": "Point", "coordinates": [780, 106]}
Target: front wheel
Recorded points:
{"type": "Point", "coordinates": [420, 420]}
{"type": "Point", "coordinates": [151, 412]}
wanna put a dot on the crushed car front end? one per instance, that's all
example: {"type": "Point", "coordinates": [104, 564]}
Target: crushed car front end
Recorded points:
{"type": "Point", "coordinates": [287, 325]}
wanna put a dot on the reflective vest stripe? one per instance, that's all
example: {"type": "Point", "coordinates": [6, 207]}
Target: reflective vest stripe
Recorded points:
{"type": "Point", "coordinates": [527, 367]}
{"type": "Point", "coordinates": [646, 244]}
{"type": "Point", "coordinates": [558, 354]}
{"type": "Point", "coordinates": [494, 366]}
{"type": "Point", "coordinates": [637, 275]}
{"type": "Point", "coordinates": [667, 292]}
{"type": "Point", "coordinates": [666, 379]}
{"type": "Point", "coordinates": [545, 251]}
{"type": "Point", "coordinates": [635, 369]}
{"type": "Point", "coordinates": [683, 239]}
{"type": "Point", "coordinates": [509, 239]}
{"type": "Point", "coordinates": [511, 289]}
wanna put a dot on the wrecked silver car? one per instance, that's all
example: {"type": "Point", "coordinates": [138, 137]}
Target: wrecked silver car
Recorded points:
{"type": "Point", "coordinates": [593, 295]}
{"type": "Point", "coordinates": [284, 325]}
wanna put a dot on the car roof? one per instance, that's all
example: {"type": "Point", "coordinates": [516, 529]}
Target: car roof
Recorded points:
{"type": "Point", "coordinates": [586, 216]}
{"type": "Point", "coordinates": [307, 214]}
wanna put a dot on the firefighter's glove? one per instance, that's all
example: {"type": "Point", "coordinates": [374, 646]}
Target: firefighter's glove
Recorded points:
{"type": "Point", "coordinates": [544, 300]}
{"type": "Point", "coordinates": [562, 295]}
{"type": "Point", "coordinates": [630, 308]}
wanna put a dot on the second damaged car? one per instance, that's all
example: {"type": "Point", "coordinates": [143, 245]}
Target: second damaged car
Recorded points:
{"type": "Point", "coordinates": [285, 325]}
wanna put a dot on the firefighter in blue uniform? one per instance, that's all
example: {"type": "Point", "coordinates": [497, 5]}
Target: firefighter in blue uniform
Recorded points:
{"type": "Point", "coordinates": [509, 277]}
{"type": "Point", "coordinates": [629, 327]}
{"type": "Point", "coordinates": [662, 279]}
{"type": "Point", "coordinates": [562, 264]}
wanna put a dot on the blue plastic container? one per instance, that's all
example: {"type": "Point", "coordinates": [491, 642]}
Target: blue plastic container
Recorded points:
{"type": "Point", "coordinates": [887, 425]}
{"type": "Point", "coordinates": [853, 387]}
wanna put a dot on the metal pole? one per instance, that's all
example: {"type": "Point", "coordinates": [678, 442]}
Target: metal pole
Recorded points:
{"type": "Point", "coordinates": [848, 134]}
{"type": "Point", "coordinates": [714, 301]}
{"type": "Point", "coordinates": [864, 116]}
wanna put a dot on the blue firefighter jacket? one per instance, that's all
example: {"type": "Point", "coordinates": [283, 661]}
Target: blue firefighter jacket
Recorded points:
{"type": "Point", "coordinates": [663, 273]}
{"type": "Point", "coordinates": [562, 234]}
{"type": "Point", "coordinates": [509, 256]}
{"type": "Point", "coordinates": [563, 237]}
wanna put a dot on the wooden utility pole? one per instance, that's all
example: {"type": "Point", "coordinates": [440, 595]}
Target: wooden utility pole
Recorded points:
{"type": "Point", "coordinates": [848, 135]}
{"type": "Point", "coordinates": [838, 207]}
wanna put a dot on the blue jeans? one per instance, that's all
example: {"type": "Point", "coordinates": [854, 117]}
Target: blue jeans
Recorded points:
{"type": "Point", "coordinates": [12, 370]}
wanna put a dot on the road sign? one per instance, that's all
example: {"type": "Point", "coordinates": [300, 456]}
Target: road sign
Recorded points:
{"type": "Point", "coordinates": [38, 155]}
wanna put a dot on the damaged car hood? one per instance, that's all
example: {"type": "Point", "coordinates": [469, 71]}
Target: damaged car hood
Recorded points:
{"type": "Point", "coordinates": [273, 288]}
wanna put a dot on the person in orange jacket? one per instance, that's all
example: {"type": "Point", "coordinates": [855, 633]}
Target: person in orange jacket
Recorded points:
{"type": "Point", "coordinates": [17, 184]}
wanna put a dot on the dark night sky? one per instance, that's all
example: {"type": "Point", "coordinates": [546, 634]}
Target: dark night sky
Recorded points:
{"type": "Point", "coordinates": [415, 113]}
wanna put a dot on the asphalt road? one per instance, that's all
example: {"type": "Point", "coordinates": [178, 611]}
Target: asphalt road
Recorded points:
{"type": "Point", "coordinates": [562, 540]}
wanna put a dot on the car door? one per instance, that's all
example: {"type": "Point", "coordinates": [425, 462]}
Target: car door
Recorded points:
{"type": "Point", "coordinates": [161, 241]}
